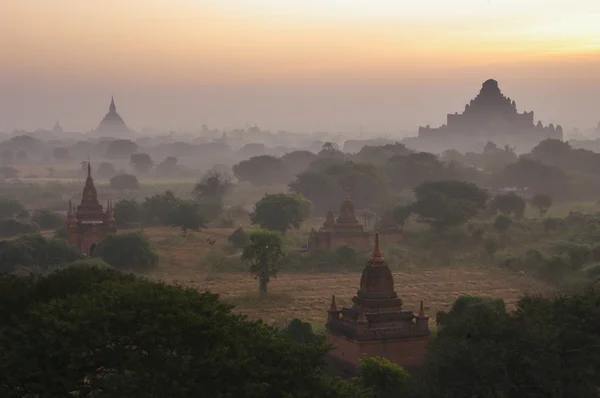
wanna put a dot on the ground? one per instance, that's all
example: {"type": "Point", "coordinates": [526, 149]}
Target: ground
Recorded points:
{"type": "Point", "coordinates": [308, 296]}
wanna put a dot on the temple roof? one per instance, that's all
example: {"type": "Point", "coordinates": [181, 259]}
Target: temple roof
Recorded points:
{"type": "Point", "coordinates": [112, 121]}
{"type": "Point", "coordinates": [89, 209]}
{"type": "Point", "coordinates": [376, 281]}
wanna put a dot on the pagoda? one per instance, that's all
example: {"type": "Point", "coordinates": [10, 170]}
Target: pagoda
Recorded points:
{"type": "Point", "coordinates": [389, 229]}
{"type": "Point", "coordinates": [89, 224]}
{"type": "Point", "coordinates": [345, 230]}
{"type": "Point", "coordinates": [112, 122]}
{"type": "Point", "coordinates": [376, 324]}
{"type": "Point", "coordinates": [490, 116]}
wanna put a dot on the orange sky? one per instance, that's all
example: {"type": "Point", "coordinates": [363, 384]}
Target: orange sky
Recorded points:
{"type": "Point", "coordinates": [64, 57]}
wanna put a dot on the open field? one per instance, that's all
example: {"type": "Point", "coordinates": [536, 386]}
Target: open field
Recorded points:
{"type": "Point", "coordinates": [307, 296]}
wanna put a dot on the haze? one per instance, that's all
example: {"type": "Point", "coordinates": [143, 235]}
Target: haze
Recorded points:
{"type": "Point", "coordinates": [299, 65]}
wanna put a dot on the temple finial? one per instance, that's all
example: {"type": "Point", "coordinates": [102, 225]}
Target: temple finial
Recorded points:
{"type": "Point", "coordinates": [421, 310]}
{"type": "Point", "coordinates": [333, 306]}
{"type": "Point", "coordinates": [112, 108]}
{"type": "Point", "coordinates": [70, 212]}
{"type": "Point", "coordinates": [377, 250]}
{"type": "Point", "coordinates": [347, 194]}
{"type": "Point", "coordinates": [89, 167]}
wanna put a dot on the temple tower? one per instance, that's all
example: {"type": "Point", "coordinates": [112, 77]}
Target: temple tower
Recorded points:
{"type": "Point", "coordinates": [376, 324]}
{"type": "Point", "coordinates": [89, 224]}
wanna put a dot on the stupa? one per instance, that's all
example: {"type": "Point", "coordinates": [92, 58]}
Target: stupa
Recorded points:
{"type": "Point", "coordinates": [89, 224]}
{"type": "Point", "coordinates": [345, 230]}
{"type": "Point", "coordinates": [112, 122]}
{"type": "Point", "coordinates": [388, 228]}
{"type": "Point", "coordinates": [376, 324]}
{"type": "Point", "coordinates": [491, 116]}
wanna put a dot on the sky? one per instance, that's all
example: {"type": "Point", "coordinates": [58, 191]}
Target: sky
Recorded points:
{"type": "Point", "coordinates": [383, 66]}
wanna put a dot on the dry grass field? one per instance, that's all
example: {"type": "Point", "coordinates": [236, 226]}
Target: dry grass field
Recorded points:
{"type": "Point", "coordinates": [307, 296]}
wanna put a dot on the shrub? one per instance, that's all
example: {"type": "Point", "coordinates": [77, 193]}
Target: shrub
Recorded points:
{"type": "Point", "coordinates": [9, 207]}
{"type": "Point", "coordinates": [239, 238]}
{"type": "Point", "coordinates": [502, 223]}
{"type": "Point", "coordinates": [11, 227]}
{"type": "Point", "coordinates": [127, 212]}
{"type": "Point", "coordinates": [215, 262]}
{"type": "Point", "coordinates": [123, 182]}
{"type": "Point", "coordinates": [127, 251]}
{"type": "Point", "coordinates": [47, 219]}
{"type": "Point", "coordinates": [35, 250]}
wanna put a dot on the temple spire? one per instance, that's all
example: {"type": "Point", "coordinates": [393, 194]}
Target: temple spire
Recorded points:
{"type": "Point", "coordinates": [70, 211]}
{"type": "Point", "coordinates": [377, 250]}
{"type": "Point", "coordinates": [112, 108]}
{"type": "Point", "coordinates": [89, 168]}
{"type": "Point", "coordinates": [333, 306]}
{"type": "Point", "coordinates": [347, 194]}
{"type": "Point", "coordinates": [421, 310]}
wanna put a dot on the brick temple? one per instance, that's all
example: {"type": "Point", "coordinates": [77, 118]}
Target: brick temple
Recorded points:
{"type": "Point", "coordinates": [376, 324]}
{"type": "Point", "coordinates": [89, 224]}
{"type": "Point", "coordinates": [345, 230]}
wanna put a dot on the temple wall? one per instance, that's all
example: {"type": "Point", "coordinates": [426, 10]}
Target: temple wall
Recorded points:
{"type": "Point", "coordinates": [409, 353]}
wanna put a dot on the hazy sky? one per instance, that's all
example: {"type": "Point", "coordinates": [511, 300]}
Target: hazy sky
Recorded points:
{"type": "Point", "coordinates": [306, 65]}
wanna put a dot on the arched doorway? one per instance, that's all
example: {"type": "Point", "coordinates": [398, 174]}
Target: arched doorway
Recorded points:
{"type": "Point", "coordinates": [92, 247]}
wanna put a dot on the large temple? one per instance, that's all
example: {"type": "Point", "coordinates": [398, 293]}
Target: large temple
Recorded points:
{"type": "Point", "coordinates": [341, 231]}
{"type": "Point", "coordinates": [112, 122]}
{"type": "Point", "coordinates": [490, 116]}
{"type": "Point", "coordinates": [89, 224]}
{"type": "Point", "coordinates": [376, 324]}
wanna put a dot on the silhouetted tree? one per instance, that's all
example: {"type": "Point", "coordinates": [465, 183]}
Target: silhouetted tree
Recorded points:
{"type": "Point", "coordinates": [263, 253]}
{"type": "Point", "coordinates": [542, 203]}
{"type": "Point", "coordinates": [141, 162]}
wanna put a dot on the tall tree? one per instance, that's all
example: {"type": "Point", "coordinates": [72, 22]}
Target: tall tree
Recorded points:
{"type": "Point", "coordinates": [186, 215]}
{"type": "Point", "coordinates": [262, 253]}
{"type": "Point", "coordinates": [277, 212]}
{"type": "Point", "coordinates": [542, 203]}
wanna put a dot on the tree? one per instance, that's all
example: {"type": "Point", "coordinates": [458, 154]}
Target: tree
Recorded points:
{"type": "Point", "coordinates": [508, 204]}
{"type": "Point", "coordinates": [211, 190]}
{"type": "Point", "coordinates": [239, 238]}
{"type": "Point", "coordinates": [320, 188]}
{"type": "Point", "coordinates": [127, 212]}
{"type": "Point", "coordinates": [535, 176]}
{"type": "Point", "coordinates": [106, 170]}
{"type": "Point", "coordinates": [297, 161]}
{"type": "Point", "coordinates": [261, 170]}
{"type": "Point", "coordinates": [384, 378]}
{"type": "Point", "coordinates": [8, 172]}
{"type": "Point", "coordinates": [9, 207]}
{"type": "Point", "coordinates": [186, 215]}
{"type": "Point", "coordinates": [47, 219]}
{"type": "Point", "coordinates": [145, 342]}
{"type": "Point", "coordinates": [277, 212]}
{"type": "Point", "coordinates": [263, 253]}
{"type": "Point", "coordinates": [167, 166]}
{"type": "Point", "coordinates": [21, 155]}
{"type": "Point", "coordinates": [121, 149]}
{"type": "Point", "coordinates": [60, 153]}
{"type": "Point", "coordinates": [141, 162]}
{"type": "Point", "coordinates": [123, 182]}
{"type": "Point", "coordinates": [448, 203]}
{"type": "Point", "coordinates": [401, 213]}
{"type": "Point", "coordinates": [35, 251]}
{"type": "Point", "coordinates": [127, 251]}
{"type": "Point", "coordinates": [156, 208]}
{"type": "Point", "coordinates": [542, 203]}
{"type": "Point", "coordinates": [502, 223]}
{"type": "Point", "coordinates": [12, 227]}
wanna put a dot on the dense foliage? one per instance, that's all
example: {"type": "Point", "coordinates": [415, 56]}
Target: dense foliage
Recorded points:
{"type": "Point", "coordinates": [35, 251]}
{"type": "Point", "coordinates": [127, 251]}
{"type": "Point", "coordinates": [278, 212]}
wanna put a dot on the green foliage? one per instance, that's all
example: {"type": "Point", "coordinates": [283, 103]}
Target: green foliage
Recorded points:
{"type": "Point", "coordinates": [124, 182]}
{"type": "Point", "coordinates": [448, 203]}
{"type": "Point", "coordinates": [263, 254]}
{"type": "Point", "coordinates": [536, 176]}
{"type": "Point", "coordinates": [156, 209]}
{"type": "Point", "coordinates": [148, 339]}
{"type": "Point", "coordinates": [542, 203]}
{"type": "Point", "coordinates": [141, 162]}
{"type": "Point", "coordinates": [11, 227]}
{"type": "Point", "coordinates": [261, 170]}
{"type": "Point", "coordinates": [127, 212]}
{"type": "Point", "coordinates": [210, 191]}
{"type": "Point", "coordinates": [35, 251]}
{"type": "Point", "coordinates": [60, 233]}
{"type": "Point", "coordinates": [239, 238]}
{"type": "Point", "coordinates": [277, 212]}
{"type": "Point", "coordinates": [384, 378]}
{"type": "Point", "coordinates": [9, 207]}
{"type": "Point", "coordinates": [502, 223]}
{"type": "Point", "coordinates": [47, 219]}
{"type": "Point", "coordinates": [306, 207]}
{"type": "Point", "coordinates": [547, 347]}
{"type": "Point", "coordinates": [186, 216]}
{"type": "Point", "coordinates": [301, 332]}
{"type": "Point", "coordinates": [401, 213]}
{"type": "Point", "coordinates": [508, 204]}
{"type": "Point", "coordinates": [127, 251]}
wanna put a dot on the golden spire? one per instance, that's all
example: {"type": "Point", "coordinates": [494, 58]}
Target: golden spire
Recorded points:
{"type": "Point", "coordinates": [377, 250]}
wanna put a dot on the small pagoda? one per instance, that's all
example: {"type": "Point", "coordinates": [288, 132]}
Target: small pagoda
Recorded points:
{"type": "Point", "coordinates": [388, 228]}
{"type": "Point", "coordinates": [89, 224]}
{"type": "Point", "coordinates": [345, 230]}
{"type": "Point", "coordinates": [376, 324]}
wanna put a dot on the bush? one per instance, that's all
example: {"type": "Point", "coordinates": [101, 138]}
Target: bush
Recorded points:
{"type": "Point", "coordinates": [383, 377]}
{"type": "Point", "coordinates": [239, 238]}
{"type": "Point", "coordinates": [11, 227]}
{"type": "Point", "coordinates": [124, 182]}
{"type": "Point", "coordinates": [502, 223]}
{"type": "Point", "coordinates": [35, 251]}
{"type": "Point", "coordinates": [9, 207]}
{"type": "Point", "coordinates": [127, 251]}
{"type": "Point", "coordinates": [216, 262]}
{"type": "Point", "coordinates": [47, 219]}
{"type": "Point", "coordinates": [127, 212]}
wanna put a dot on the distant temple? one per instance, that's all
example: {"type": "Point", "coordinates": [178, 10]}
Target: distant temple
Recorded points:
{"type": "Point", "coordinates": [491, 116]}
{"type": "Point", "coordinates": [89, 224]}
{"type": "Point", "coordinates": [57, 129]}
{"type": "Point", "coordinates": [376, 324]}
{"type": "Point", "coordinates": [345, 230]}
{"type": "Point", "coordinates": [389, 229]}
{"type": "Point", "coordinates": [112, 122]}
